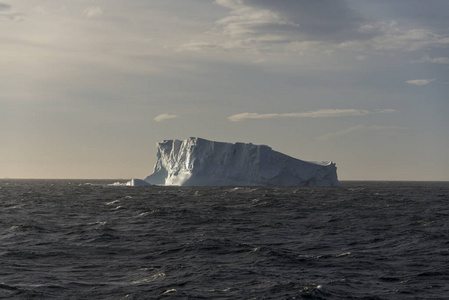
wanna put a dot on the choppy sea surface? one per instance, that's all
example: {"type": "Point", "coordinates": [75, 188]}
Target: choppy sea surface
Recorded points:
{"type": "Point", "coordinates": [79, 239]}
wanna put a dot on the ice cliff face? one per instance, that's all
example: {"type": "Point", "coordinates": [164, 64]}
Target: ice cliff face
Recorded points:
{"type": "Point", "coordinates": [197, 161]}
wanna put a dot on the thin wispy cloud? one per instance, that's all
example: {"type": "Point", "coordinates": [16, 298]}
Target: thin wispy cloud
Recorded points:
{"type": "Point", "coordinates": [163, 117]}
{"type": "Point", "coordinates": [93, 12]}
{"type": "Point", "coordinates": [420, 81]}
{"type": "Point", "coordinates": [390, 130]}
{"type": "Point", "coordinates": [4, 6]}
{"type": "Point", "coordinates": [321, 113]}
{"type": "Point", "coordinates": [6, 12]}
{"type": "Point", "coordinates": [394, 38]}
{"type": "Point", "coordinates": [197, 46]}
{"type": "Point", "coordinates": [433, 60]}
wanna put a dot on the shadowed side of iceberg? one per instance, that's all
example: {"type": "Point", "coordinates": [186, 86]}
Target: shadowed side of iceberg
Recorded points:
{"type": "Point", "coordinates": [197, 161]}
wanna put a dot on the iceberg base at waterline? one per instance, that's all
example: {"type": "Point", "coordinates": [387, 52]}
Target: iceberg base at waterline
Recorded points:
{"type": "Point", "coordinates": [199, 162]}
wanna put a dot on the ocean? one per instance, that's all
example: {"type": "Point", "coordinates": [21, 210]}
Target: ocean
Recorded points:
{"type": "Point", "coordinates": [85, 239]}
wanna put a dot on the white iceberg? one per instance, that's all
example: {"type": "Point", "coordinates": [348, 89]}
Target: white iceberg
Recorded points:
{"type": "Point", "coordinates": [196, 161]}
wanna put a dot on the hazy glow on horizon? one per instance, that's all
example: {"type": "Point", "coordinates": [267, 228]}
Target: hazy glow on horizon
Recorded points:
{"type": "Point", "coordinates": [89, 87]}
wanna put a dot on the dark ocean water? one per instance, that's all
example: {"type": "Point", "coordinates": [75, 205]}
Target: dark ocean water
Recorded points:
{"type": "Point", "coordinates": [72, 239]}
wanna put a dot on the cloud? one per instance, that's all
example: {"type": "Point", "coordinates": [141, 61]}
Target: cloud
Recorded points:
{"type": "Point", "coordinates": [197, 46]}
{"type": "Point", "coordinates": [4, 6]}
{"type": "Point", "coordinates": [299, 19]}
{"type": "Point", "coordinates": [163, 117]}
{"type": "Point", "coordinates": [321, 113]}
{"type": "Point", "coordinates": [420, 81]}
{"type": "Point", "coordinates": [6, 12]}
{"type": "Point", "coordinates": [302, 26]}
{"type": "Point", "coordinates": [397, 38]}
{"type": "Point", "coordinates": [93, 12]}
{"type": "Point", "coordinates": [261, 24]}
{"type": "Point", "coordinates": [390, 130]}
{"type": "Point", "coordinates": [435, 60]}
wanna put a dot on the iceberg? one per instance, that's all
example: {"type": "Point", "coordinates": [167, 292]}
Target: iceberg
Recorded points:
{"type": "Point", "coordinates": [199, 162]}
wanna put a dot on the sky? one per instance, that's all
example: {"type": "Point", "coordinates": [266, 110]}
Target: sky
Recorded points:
{"type": "Point", "coordinates": [89, 87]}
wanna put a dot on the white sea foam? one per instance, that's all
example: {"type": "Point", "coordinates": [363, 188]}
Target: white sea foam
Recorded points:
{"type": "Point", "coordinates": [157, 276]}
{"type": "Point", "coordinates": [144, 214]}
{"type": "Point", "coordinates": [169, 291]}
{"type": "Point", "coordinates": [112, 202]}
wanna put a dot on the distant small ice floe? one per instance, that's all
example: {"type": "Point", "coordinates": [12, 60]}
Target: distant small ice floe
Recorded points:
{"type": "Point", "coordinates": [132, 182]}
{"type": "Point", "coordinates": [118, 184]}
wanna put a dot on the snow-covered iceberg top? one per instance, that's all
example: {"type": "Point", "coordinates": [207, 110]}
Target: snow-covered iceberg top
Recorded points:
{"type": "Point", "coordinates": [196, 161]}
